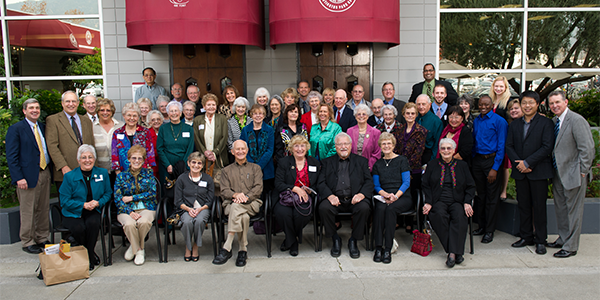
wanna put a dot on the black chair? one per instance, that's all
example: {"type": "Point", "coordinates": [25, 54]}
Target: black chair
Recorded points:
{"type": "Point", "coordinates": [221, 219]}
{"type": "Point", "coordinates": [56, 217]}
{"type": "Point", "coordinates": [172, 228]}
{"type": "Point", "coordinates": [368, 242]}
{"type": "Point", "coordinates": [271, 220]}
{"type": "Point", "coordinates": [115, 225]}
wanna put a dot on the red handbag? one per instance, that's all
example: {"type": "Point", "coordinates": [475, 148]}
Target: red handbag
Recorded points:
{"type": "Point", "coordinates": [422, 244]}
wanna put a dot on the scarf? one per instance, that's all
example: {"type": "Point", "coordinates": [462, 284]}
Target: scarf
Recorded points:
{"type": "Point", "coordinates": [452, 164]}
{"type": "Point", "coordinates": [241, 122]}
{"type": "Point", "coordinates": [455, 131]}
{"type": "Point", "coordinates": [135, 174]}
{"type": "Point", "coordinates": [256, 150]}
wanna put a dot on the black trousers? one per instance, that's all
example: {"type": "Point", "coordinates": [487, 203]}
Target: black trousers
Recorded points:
{"type": "Point", "coordinates": [449, 222]}
{"type": "Point", "coordinates": [360, 214]}
{"type": "Point", "coordinates": [291, 221]}
{"type": "Point", "coordinates": [486, 204]}
{"type": "Point", "coordinates": [531, 198]}
{"type": "Point", "coordinates": [384, 219]}
{"type": "Point", "coordinates": [85, 229]}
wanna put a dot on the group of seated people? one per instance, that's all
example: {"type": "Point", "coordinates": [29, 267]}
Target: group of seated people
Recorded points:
{"type": "Point", "coordinates": [294, 149]}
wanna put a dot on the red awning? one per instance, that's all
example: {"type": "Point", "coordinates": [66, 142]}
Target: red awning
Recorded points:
{"type": "Point", "coordinates": [155, 22]}
{"type": "Point", "coordinates": [45, 34]}
{"type": "Point", "coordinates": [312, 21]}
{"type": "Point", "coordinates": [87, 38]}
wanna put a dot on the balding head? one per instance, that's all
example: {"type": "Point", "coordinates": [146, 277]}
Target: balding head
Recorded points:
{"type": "Point", "coordinates": [376, 106]}
{"type": "Point", "coordinates": [193, 93]}
{"type": "Point", "coordinates": [239, 149]}
{"type": "Point", "coordinates": [340, 98]}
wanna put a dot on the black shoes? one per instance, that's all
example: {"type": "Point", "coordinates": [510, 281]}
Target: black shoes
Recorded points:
{"type": "Point", "coordinates": [387, 257]}
{"type": "Point", "coordinates": [450, 262]}
{"type": "Point", "coordinates": [91, 267]}
{"type": "Point", "coordinates": [336, 248]}
{"type": "Point", "coordinates": [294, 249]}
{"type": "Point", "coordinates": [479, 231]}
{"type": "Point", "coordinates": [540, 249]}
{"type": "Point", "coordinates": [241, 258]}
{"type": "Point", "coordinates": [33, 249]}
{"type": "Point", "coordinates": [564, 253]}
{"type": "Point", "coordinates": [353, 248]}
{"type": "Point", "coordinates": [377, 255]}
{"type": "Point", "coordinates": [42, 245]}
{"type": "Point", "coordinates": [487, 238]}
{"type": "Point", "coordinates": [555, 244]}
{"type": "Point", "coordinates": [459, 259]}
{"type": "Point", "coordinates": [223, 257]}
{"type": "Point", "coordinates": [522, 243]}
{"type": "Point", "coordinates": [283, 248]}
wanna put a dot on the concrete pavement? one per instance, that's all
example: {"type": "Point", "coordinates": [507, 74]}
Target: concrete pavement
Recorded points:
{"type": "Point", "coordinates": [495, 271]}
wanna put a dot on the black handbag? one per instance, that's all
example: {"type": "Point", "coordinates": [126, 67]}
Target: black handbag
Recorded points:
{"type": "Point", "coordinates": [291, 199]}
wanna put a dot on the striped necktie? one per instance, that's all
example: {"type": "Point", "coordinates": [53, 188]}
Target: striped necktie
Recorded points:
{"type": "Point", "coordinates": [556, 129]}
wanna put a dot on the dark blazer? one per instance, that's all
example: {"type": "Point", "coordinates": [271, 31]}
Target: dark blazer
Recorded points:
{"type": "Point", "coordinates": [371, 121]}
{"type": "Point", "coordinates": [22, 153]}
{"type": "Point", "coordinates": [347, 119]}
{"type": "Point", "coordinates": [360, 177]}
{"type": "Point", "coordinates": [285, 177]}
{"type": "Point", "coordinates": [535, 148]}
{"type": "Point", "coordinates": [417, 90]}
{"type": "Point", "coordinates": [62, 142]}
{"type": "Point", "coordinates": [464, 192]}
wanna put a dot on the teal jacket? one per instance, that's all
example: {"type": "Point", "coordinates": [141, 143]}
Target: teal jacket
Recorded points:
{"type": "Point", "coordinates": [73, 191]}
{"type": "Point", "coordinates": [324, 140]}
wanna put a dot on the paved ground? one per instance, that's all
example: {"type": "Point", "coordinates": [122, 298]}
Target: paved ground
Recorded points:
{"type": "Point", "coordinates": [495, 271]}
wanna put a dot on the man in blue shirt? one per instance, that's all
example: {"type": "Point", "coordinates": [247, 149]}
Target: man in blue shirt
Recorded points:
{"type": "Point", "coordinates": [489, 135]}
{"type": "Point", "coordinates": [439, 105]}
{"type": "Point", "coordinates": [433, 125]}
{"type": "Point", "coordinates": [150, 89]}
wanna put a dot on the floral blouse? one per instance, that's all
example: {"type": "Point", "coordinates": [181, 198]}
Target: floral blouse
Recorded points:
{"type": "Point", "coordinates": [120, 145]}
{"type": "Point", "coordinates": [144, 193]}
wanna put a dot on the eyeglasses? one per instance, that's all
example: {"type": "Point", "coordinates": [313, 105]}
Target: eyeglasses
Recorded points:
{"type": "Point", "coordinates": [428, 71]}
{"type": "Point", "coordinates": [445, 148]}
{"type": "Point", "coordinates": [343, 144]}
{"type": "Point", "coordinates": [195, 162]}
{"type": "Point", "coordinates": [133, 158]}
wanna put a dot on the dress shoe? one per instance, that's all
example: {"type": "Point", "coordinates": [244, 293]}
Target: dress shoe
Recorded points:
{"type": "Point", "coordinates": [71, 240]}
{"type": "Point", "coordinates": [487, 238]}
{"type": "Point", "coordinates": [377, 255]}
{"type": "Point", "coordinates": [336, 248]}
{"type": "Point", "coordinates": [43, 244]}
{"type": "Point", "coordinates": [140, 257]}
{"type": "Point", "coordinates": [283, 248]}
{"type": "Point", "coordinates": [353, 249]}
{"type": "Point", "coordinates": [479, 231]}
{"type": "Point", "coordinates": [33, 249]}
{"type": "Point", "coordinates": [91, 267]}
{"type": "Point", "coordinates": [540, 249]}
{"type": "Point", "coordinates": [450, 262]}
{"type": "Point", "coordinates": [387, 257]}
{"type": "Point", "coordinates": [564, 253]}
{"type": "Point", "coordinates": [521, 243]}
{"type": "Point", "coordinates": [459, 259]}
{"type": "Point", "coordinates": [241, 258]}
{"type": "Point", "coordinates": [554, 244]}
{"type": "Point", "coordinates": [294, 249]}
{"type": "Point", "coordinates": [222, 258]}
{"type": "Point", "coordinates": [95, 260]}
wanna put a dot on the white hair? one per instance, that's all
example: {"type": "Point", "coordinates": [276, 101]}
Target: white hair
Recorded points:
{"type": "Point", "coordinates": [448, 141]}
{"type": "Point", "coordinates": [85, 148]}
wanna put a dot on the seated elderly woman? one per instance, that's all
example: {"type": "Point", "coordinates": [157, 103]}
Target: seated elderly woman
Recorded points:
{"type": "Point", "coordinates": [391, 177]}
{"type": "Point", "coordinates": [135, 196]}
{"type": "Point", "coordinates": [297, 174]}
{"type": "Point", "coordinates": [448, 189]}
{"type": "Point", "coordinates": [194, 194]}
{"type": "Point", "coordinates": [364, 136]}
{"type": "Point", "coordinates": [84, 191]}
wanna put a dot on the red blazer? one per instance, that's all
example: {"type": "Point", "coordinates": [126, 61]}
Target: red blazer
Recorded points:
{"type": "Point", "coordinates": [307, 120]}
{"type": "Point", "coordinates": [371, 150]}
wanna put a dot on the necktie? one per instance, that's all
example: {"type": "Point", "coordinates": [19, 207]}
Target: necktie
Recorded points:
{"type": "Point", "coordinates": [338, 116]}
{"type": "Point", "coordinates": [76, 130]}
{"type": "Point", "coordinates": [389, 128]}
{"type": "Point", "coordinates": [93, 119]}
{"type": "Point", "coordinates": [429, 91]}
{"type": "Point", "coordinates": [439, 112]}
{"type": "Point", "coordinates": [556, 129]}
{"type": "Point", "coordinates": [43, 162]}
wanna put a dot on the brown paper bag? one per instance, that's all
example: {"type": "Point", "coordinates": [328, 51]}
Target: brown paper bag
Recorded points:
{"type": "Point", "coordinates": [65, 267]}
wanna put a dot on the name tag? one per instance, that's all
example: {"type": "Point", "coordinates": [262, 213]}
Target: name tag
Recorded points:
{"type": "Point", "coordinates": [201, 127]}
{"type": "Point", "coordinates": [312, 169]}
{"type": "Point", "coordinates": [202, 184]}
{"type": "Point", "coordinates": [185, 134]}
{"type": "Point", "coordinates": [120, 136]}
{"type": "Point", "coordinates": [99, 178]}
{"type": "Point", "coordinates": [202, 110]}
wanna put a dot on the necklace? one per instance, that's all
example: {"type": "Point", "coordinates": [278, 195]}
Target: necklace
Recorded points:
{"type": "Point", "coordinates": [172, 131]}
{"type": "Point", "coordinates": [387, 162]}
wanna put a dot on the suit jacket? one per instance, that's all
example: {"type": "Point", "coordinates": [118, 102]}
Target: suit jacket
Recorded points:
{"type": "Point", "coordinates": [360, 177]}
{"type": "Point", "coordinates": [347, 119]}
{"type": "Point", "coordinates": [573, 150]}
{"type": "Point", "coordinates": [23, 154]}
{"type": "Point", "coordinates": [73, 191]}
{"type": "Point", "coordinates": [535, 148]}
{"type": "Point", "coordinates": [220, 147]}
{"type": "Point", "coordinates": [417, 90]}
{"type": "Point", "coordinates": [370, 150]}
{"type": "Point", "coordinates": [62, 142]}
{"type": "Point", "coordinates": [285, 177]}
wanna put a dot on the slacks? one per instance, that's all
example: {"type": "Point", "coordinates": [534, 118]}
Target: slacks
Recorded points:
{"type": "Point", "coordinates": [193, 228]}
{"type": "Point", "coordinates": [34, 205]}
{"type": "Point", "coordinates": [384, 219]}
{"type": "Point", "coordinates": [85, 229]}
{"type": "Point", "coordinates": [360, 213]}
{"type": "Point", "coordinates": [239, 218]}
{"type": "Point", "coordinates": [449, 222]}
{"type": "Point", "coordinates": [136, 231]}
{"type": "Point", "coordinates": [291, 221]}
{"type": "Point", "coordinates": [569, 212]}
{"type": "Point", "coordinates": [486, 204]}
{"type": "Point", "coordinates": [531, 197]}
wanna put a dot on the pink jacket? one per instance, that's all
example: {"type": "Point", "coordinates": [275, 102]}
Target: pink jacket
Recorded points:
{"type": "Point", "coordinates": [371, 150]}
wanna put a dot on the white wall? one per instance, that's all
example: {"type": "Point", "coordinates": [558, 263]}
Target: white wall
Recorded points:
{"type": "Point", "coordinates": [123, 65]}
{"type": "Point", "coordinates": [403, 64]}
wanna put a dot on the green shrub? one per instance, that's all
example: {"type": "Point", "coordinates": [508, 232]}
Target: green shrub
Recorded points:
{"type": "Point", "coordinates": [588, 106]}
{"type": "Point", "coordinates": [7, 190]}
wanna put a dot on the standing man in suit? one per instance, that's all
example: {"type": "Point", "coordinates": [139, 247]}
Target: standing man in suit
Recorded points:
{"type": "Point", "coordinates": [28, 163]}
{"type": "Point", "coordinates": [343, 114]}
{"type": "Point", "coordinates": [66, 131]}
{"type": "Point", "coordinates": [345, 184]}
{"type": "Point", "coordinates": [377, 117]}
{"type": "Point", "coordinates": [529, 145]}
{"type": "Point", "coordinates": [303, 90]}
{"type": "Point", "coordinates": [573, 155]}
{"type": "Point", "coordinates": [426, 87]}
{"type": "Point", "coordinates": [439, 106]}
{"type": "Point", "coordinates": [358, 93]}
{"type": "Point", "coordinates": [389, 93]}
{"type": "Point", "coordinates": [89, 103]}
